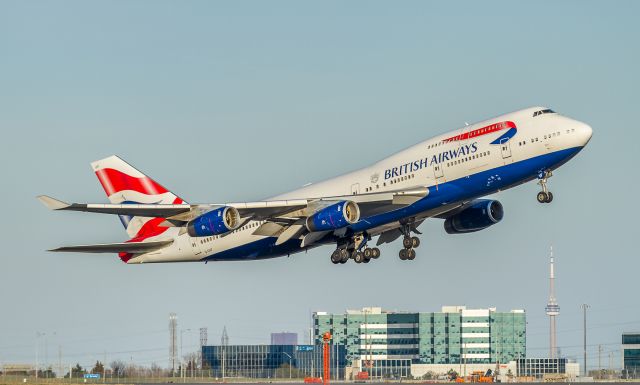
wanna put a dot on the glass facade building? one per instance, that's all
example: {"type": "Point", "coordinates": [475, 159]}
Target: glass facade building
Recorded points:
{"type": "Point", "coordinates": [452, 336]}
{"type": "Point", "coordinates": [271, 361]}
{"type": "Point", "coordinates": [631, 355]}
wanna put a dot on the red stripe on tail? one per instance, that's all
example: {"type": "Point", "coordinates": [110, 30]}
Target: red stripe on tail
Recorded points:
{"type": "Point", "coordinates": [114, 181]}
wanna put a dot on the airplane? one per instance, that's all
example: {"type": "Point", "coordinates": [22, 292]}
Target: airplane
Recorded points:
{"type": "Point", "coordinates": [444, 177]}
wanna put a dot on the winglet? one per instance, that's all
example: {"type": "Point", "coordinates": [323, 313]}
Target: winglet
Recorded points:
{"type": "Point", "coordinates": [52, 203]}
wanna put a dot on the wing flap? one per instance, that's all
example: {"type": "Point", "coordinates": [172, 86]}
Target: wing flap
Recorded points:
{"type": "Point", "coordinates": [126, 247]}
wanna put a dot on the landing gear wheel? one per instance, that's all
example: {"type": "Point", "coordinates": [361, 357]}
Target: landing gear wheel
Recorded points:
{"type": "Point", "coordinates": [336, 257]}
{"type": "Point", "coordinates": [403, 254]}
{"type": "Point", "coordinates": [411, 254]}
{"type": "Point", "coordinates": [550, 198]}
{"type": "Point", "coordinates": [375, 253]}
{"type": "Point", "coordinates": [543, 197]}
{"type": "Point", "coordinates": [344, 256]}
{"type": "Point", "coordinates": [366, 260]}
{"type": "Point", "coordinates": [358, 257]}
{"type": "Point", "coordinates": [415, 242]}
{"type": "Point", "coordinates": [407, 242]}
{"type": "Point", "coordinates": [368, 253]}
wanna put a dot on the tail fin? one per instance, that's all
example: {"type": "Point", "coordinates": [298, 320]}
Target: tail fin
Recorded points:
{"type": "Point", "coordinates": [124, 184]}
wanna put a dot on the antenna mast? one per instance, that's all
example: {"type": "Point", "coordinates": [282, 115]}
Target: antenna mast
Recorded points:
{"type": "Point", "coordinates": [553, 309]}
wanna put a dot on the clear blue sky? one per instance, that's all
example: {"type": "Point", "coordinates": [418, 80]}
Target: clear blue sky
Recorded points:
{"type": "Point", "coordinates": [232, 101]}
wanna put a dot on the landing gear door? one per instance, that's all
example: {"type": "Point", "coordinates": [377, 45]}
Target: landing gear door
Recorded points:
{"type": "Point", "coordinates": [505, 148]}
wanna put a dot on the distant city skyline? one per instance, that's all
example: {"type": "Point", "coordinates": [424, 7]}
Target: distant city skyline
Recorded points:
{"type": "Point", "coordinates": [227, 101]}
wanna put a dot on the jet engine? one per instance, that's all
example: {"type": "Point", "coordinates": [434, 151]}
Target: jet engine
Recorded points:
{"type": "Point", "coordinates": [334, 216]}
{"type": "Point", "coordinates": [215, 222]}
{"type": "Point", "coordinates": [478, 216]}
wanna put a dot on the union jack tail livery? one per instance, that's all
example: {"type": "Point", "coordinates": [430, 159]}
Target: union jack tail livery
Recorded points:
{"type": "Point", "coordinates": [123, 184]}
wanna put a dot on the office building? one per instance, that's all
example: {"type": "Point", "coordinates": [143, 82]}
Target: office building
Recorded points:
{"type": "Point", "coordinates": [375, 338]}
{"type": "Point", "coordinates": [631, 355]}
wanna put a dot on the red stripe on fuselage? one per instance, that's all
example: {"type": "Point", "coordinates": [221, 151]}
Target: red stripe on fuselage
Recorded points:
{"type": "Point", "coordinates": [481, 131]}
{"type": "Point", "coordinates": [114, 181]}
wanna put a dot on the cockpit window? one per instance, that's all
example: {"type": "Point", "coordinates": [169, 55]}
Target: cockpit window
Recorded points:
{"type": "Point", "coordinates": [541, 112]}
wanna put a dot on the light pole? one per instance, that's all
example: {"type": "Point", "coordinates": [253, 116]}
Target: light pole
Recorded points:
{"type": "Point", "coordinates": [183, 371]}
{"type": "Point", "coordinates": [38, 335]}
{"type": "Point", "coordinates": [286, 354]}
{"type": "Point", "coordinates": [584, 336]}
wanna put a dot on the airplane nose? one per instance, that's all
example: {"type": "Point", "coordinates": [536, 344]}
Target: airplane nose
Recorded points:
{"type": "Point", "coordinates": [585, 132]}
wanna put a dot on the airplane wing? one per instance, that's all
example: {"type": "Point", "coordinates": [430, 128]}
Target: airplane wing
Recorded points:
{"type": "Point", "coordinates": [284, 217]}
{"type": "Point", "coordinates": [369, 204]}
{"type": "Point", "coordinates": [127, 247]}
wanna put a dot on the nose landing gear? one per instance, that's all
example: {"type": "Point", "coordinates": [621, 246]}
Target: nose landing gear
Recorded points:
{"type": "Point", "coordinates": [544, 196]}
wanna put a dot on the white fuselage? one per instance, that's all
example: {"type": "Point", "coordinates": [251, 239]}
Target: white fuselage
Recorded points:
{"type": "Point", "coordinates": [536, 137]}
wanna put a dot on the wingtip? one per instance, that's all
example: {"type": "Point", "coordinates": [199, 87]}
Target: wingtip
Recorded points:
{"type": "Point", "coordinates": [52, 203]}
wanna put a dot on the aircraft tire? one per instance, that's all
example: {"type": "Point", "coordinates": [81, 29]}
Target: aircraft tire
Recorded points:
{"type": "Point", "coordinates": [366, 260]}
{"type": "Point", "coordinates": [403, 254]}
{"type": "Point", "coordinates": [407, 242]}
{"type": "Point", "coordinates": [411, 254]}
{"type": "Point", "coordinates": [368, 253]}
{"type": "Point", "coordinates": [336, 257]}
{"type": "Point", "coordinates": [542, 197]}
{"type": "Point", "coordinates": [358, 257]}
{"type": "Point", "coordinates": [344, 256]}
{"type": "Point", "coordinates": [415, 242]}
{"type": "Point", "coordinates": [375, 253]}
{"type": "Point", "coordinates": [550, 197]}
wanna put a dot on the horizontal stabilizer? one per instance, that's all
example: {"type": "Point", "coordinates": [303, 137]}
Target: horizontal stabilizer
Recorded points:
{"type": "Point", "coordinates": [52, 203]}
{"type": "Point", "coordinates": [130, 247]}
{"type": "Point", "coordinates": [142, 210]}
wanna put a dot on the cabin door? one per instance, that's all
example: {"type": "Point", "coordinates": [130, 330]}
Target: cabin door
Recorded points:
{"type": "Point", "coordinates": [505, 148]}
{"type": "Point", "coordinates": [438, 172]}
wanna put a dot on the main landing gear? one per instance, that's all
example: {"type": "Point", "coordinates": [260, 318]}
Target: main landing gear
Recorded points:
{"type": "Point", "coordinates": [342, 255]}
{"type": "Point", "coordinates": [355, 249]}
{"type": "Point", "coordinates": [544, 196]}
{"type": "Point", "coordinates": [409, 243]}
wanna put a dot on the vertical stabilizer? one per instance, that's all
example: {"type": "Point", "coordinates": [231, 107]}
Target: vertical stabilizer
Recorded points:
{"type": "Point", "coordinates": [124, 184]}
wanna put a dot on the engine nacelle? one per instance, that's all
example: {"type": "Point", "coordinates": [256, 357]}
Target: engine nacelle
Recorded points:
{"type": "Point", "coordinates": [334, 216]}
{"type": "Point", "coordinates": [480, 215]}
{"type": "Point", "coordinates": [215, 222]}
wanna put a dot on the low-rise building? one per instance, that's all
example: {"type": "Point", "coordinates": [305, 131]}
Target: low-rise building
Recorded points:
{"type": "Point", "coordinates": [271, 361]}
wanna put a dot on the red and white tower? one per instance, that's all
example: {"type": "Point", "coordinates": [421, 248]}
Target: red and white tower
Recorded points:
{"type": "Point", "coordinates": [553, 310]}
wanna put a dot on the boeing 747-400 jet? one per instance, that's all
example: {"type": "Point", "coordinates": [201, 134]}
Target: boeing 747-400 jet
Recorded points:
{"type": "Point", "coordinates": [444, 177]}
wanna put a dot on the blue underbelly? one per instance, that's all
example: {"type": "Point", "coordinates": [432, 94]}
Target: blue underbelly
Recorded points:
{"type": "Point", "coordinates": [462, 189]}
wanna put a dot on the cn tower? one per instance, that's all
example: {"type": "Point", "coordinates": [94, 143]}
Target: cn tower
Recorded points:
{"type": "Point", "coordinates": [552, 309]}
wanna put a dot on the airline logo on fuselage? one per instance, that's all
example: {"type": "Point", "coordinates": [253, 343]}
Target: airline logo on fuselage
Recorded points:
{"type": "Point", "coordinates": [430, 161]}
{"type": "Point", "coordinates": [453, 154]}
